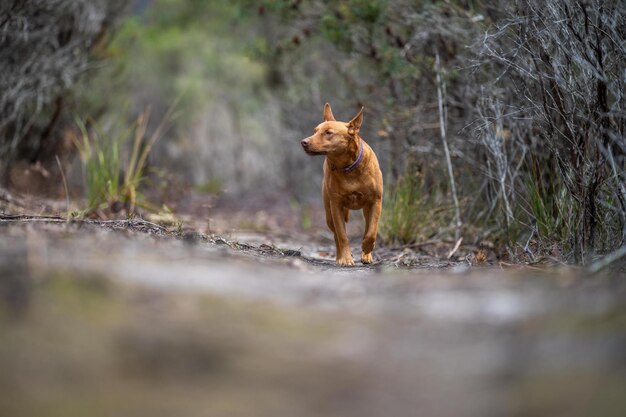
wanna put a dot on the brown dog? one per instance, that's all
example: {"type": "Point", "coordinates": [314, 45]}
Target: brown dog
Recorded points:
{"type": "Point", "coordinates": [352, 181]}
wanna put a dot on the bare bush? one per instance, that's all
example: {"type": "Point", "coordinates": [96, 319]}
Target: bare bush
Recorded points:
{"type": "Point", "coordinates": [504, 158]}
{"type": "Point", "coordinates": [564, 64]}
{"type": "Point", "coordinates": [45, 45]}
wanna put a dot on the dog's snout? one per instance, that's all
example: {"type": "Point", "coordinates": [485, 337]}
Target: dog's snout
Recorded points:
{"type": "Point", "coordinates": [304, 143]}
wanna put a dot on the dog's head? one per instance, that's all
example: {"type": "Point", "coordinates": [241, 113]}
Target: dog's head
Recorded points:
{"type": "Point", "coordinates": [332, 137]}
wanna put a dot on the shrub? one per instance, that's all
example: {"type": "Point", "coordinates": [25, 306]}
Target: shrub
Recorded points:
{"type": "Point", "coordinates": [110, 175]}
{"type": "Point", "coordinates": [45, 47]}
{"type": "Point", "coordinates": [412, 211]}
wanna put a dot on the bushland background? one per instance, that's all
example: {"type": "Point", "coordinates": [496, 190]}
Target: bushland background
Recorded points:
{"type": "Point", "coordinates": [499, 121]}
{"type": "Point", "coordinates": [163, 250]}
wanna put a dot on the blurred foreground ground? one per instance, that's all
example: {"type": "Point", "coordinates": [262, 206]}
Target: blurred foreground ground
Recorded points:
{"type": "Point", "coordinates": [127, 320]}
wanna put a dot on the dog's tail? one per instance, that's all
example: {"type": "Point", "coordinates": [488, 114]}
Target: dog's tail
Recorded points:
{"type": "Point", "coordinates": [346, 215]}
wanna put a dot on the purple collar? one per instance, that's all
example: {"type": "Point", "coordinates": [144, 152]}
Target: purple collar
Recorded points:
{"type": "Point", "coordinates": [358, 160]}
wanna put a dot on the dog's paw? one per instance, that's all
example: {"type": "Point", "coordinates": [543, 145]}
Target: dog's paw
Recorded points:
{"type": "Point", "coordinates": [366, 258]}
{"type": "Point", "coordinates": [345, 261]}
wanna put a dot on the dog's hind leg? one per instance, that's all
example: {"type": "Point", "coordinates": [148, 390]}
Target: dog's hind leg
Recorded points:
{"type": "Point", "coordinates": [371, 214]}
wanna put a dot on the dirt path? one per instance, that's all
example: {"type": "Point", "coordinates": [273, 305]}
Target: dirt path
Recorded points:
{"type": "Point", "coordinates": [142, 323]}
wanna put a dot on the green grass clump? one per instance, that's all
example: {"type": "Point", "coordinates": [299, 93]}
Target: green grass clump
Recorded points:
{"type": "Point", "coordinates": [111, 176]}
{"type": "Point", "coordinates": [553, 209]}
{"type": "Point", "coordinates": [412, 211]}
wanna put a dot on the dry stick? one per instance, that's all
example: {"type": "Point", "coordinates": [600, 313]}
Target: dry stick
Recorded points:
{"type": "Point", "coordinates": [606, 261]}
{"type": "Point", "coordinates": [442, 124]}
{"type": "Point", "coordinates": [67, 194]}
{"type": "Point", "coordinates": [455, 248]}
{"type": "Point", "coordinates": [527, 247]}
{"type": "Point", "coordinates": [55, 219]}
{"type": "Point", "coordinates": [25, 218]}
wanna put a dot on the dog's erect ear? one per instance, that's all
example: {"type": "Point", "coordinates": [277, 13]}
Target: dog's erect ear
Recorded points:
{"type": "Point", "coordinates": [328, 113]}
{"type": "Point", "coordinates": [354, 125]}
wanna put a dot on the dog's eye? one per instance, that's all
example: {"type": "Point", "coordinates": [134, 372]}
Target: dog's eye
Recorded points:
{"type": "Point", "coordinates": [328, 132]}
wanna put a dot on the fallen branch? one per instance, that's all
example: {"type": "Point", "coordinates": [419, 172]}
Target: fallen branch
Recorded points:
{"type": "Point", "coordinates": [7, 218]}
{"type": "Point", "coordinates": [607, 261]}
{"type": "Point", "coordinates": [504, 265]}
{"type": "Point", "coordinates": [455, 248]}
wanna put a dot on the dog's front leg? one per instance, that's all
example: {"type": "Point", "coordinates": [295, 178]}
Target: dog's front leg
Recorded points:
{"type": "Point", "coordinates": [371, 214]}
{"type": "Point", "coordinates": [344, 256]}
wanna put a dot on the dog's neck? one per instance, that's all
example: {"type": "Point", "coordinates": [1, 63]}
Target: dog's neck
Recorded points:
{"type": "Point", "coordinates": [349, 161]}
{"type": "Point", "coordinates": [357, 161]}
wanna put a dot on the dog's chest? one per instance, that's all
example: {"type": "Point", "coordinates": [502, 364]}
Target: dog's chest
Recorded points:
{"type": "Point", "coordinates": [354, 200]}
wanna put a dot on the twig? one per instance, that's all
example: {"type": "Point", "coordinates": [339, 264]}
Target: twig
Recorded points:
{"type": "Point", "coordinates": [57, 219]}
{"type": "Point", "coordinates": [503, 264]}
{"type": "Point", "coordinates": [526, 248]}
{"type": "Point", "coordinates": [67, 194]}
{"type": "Point", "coordinates": [606, 261]}
{"type": "Point", "coordinates": [26, 218]}
{"type": "Point", "coordinates": [455, 248]}
{"type": "Point", "coordinates": [442, 124]}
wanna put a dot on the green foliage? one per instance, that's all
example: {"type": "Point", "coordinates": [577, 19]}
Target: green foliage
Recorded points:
{"type": "Point", "coordinates": [201, 53]}
{"type": "Point", "coordinates": [412, 211]}
{"type": "Point", "coordinates": [213, 186]}
{"type": "Point", "coordinates": [336, 32]}
{"type": "Point", "coordinates": [338, 23]}
{"type": "Point", "coordinates": [552, 208]}
{"type": "Point", "coordinates": [111, 176]}
{"type": "Point", "coordinates": [368, 11]}
{"type": "Point", "coordinates": [178, 49]}
{"type": "Point", "coordinates": [100, 155]}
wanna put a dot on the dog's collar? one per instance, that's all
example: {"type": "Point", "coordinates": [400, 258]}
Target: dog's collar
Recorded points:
{"type": "Point", "coordinates": [355, 163]}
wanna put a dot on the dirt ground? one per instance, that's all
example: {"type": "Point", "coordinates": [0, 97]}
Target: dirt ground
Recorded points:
{"type": "Point", "coordinates": [128, 317]}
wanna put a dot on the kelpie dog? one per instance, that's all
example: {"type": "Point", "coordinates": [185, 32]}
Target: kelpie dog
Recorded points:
{"type": "Point", "coordinates": [352, 181]}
